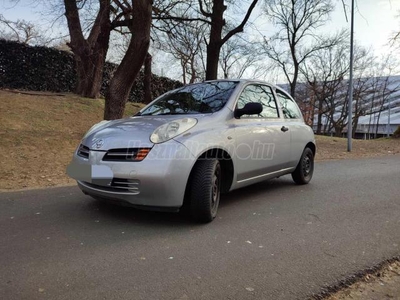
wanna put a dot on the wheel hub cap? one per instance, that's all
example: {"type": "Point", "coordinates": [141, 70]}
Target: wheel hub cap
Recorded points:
{"type": "Point", "coordinates": [307, 165]}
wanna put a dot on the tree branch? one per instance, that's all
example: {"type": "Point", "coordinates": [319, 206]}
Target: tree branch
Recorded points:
{"type": "Point", "coordinates": [241, 26]}
{"type": "Point", "coordinates": [202, 10]}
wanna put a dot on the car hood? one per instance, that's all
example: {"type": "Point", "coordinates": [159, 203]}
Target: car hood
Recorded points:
{"type": "Point", "coordinates": [133, 132]}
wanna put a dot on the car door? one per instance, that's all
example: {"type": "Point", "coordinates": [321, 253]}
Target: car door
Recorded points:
{"type": "Point", "coordinates": [293, 120]}
{"type": "Point", "coordinates": [261, 145]}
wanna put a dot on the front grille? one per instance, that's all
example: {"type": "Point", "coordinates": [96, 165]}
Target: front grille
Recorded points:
{"type": "Point", "coordinates": [126, 154]}
{"type": "Point", "coordinates": [83, 151]}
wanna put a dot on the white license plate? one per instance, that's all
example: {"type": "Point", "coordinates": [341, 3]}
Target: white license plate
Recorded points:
{"type": "Point", "coordinates": [96, 174]}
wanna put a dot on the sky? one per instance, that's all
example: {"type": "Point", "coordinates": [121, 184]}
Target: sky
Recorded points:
{"type": "Point", "coordinates": [375, 20]}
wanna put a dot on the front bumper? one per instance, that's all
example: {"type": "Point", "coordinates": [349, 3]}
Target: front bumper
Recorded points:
{"type": "Point", "coordinates": [157, 181]}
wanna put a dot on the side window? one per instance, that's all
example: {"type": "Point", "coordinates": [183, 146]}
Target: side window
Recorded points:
{"type": "Point", "coordinates": [260, 94]}
{"type": "Point", "coordinates": [289, 107]}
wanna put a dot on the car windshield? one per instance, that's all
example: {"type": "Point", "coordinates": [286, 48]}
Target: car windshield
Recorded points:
{"type": "Point", "coordinates": [201, 98]}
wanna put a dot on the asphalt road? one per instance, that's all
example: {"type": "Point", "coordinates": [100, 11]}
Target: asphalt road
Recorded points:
{"type": "Point", "coordinates": [274, 240]}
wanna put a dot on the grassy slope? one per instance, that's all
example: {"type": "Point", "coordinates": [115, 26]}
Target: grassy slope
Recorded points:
{"type": "Point", "coordinates": [38, 135]}
{"type": "Point", "coordinates": [336, 148]}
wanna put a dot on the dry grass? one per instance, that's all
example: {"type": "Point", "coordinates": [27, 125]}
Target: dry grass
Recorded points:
{"type": "Point", "coordinates": [39, 132]}
{"type": "Point", "coordinates": [384, 284]}
{"type": "Point", "coordinates": [336, 148]}
{"type": "Point", "coordinates": [38, 135]}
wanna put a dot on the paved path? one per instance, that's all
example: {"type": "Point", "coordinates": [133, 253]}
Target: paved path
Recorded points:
{"type": "Point", "coordinates": [274, 240]}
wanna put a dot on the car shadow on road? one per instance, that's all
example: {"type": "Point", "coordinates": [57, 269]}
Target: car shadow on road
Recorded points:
{"type": "Point", "coordinates": [233, 200]}
{"type": "Point", "coordinates": [122, 214]}
{"type": "Point", "coordinates": [240, 196]}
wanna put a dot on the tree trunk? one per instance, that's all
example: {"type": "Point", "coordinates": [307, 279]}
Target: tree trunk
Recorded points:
{"type": "Point", "coordinates": [213, 51]}
{"type": "Point", "coordinates": [309, 109]}
{"type": "Point", "coordinates": [296, 65]}
{"type": "Point", "coordinates": [90, 54]}
{"type": "Point", "coordinates": [147, 79]}
{"type": "Point", "coordinates": [132, 62]}
{"type": "Point", "coordinates": [216, 40]}
{"type": "Point", "coordinates": [355, 124]}
{"type": "Point", "coordinates": [183, 72]}
{"type": "Point", "coordinates": [293, 87]}
{"type": "Point", "coordinates": [338, 130]}
{"type": "Point", "coordinates": [215, 43]}
{"type": "Point", "coordinates": [193, 76]}
{"type": "Point", "coordinates": [89, 68]}
{"type": "Point", "coordinates": [377, 124]}
{"type": "Point", "coordinates": [319, 118]}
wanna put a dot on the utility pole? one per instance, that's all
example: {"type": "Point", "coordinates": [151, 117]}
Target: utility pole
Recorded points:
{"type": "Point", "coordinates": [388, 124]}
{"type": "Point", "coordinates": [350, 104]}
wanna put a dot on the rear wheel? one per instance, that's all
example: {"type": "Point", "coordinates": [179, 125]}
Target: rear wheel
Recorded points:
{"type": "Point", "coordinates": [205, 190]}
{"type": "Point", "coordinates": [305, 168]}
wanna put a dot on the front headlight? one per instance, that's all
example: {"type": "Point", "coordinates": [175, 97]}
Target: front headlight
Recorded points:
{"type": "Point", "coordinates": [96, 126]}
{"type": "Point", "coordinates": [172, 129]}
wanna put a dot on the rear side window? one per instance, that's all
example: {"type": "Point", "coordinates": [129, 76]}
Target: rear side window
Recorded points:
{"type": "Point", "coordinates": [290, 109]}
{"type": "Point", "coordinates": [260, 94]}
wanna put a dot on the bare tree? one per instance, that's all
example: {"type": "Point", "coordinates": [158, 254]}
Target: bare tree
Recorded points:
{"type": "Point", "coordinates": [297, 22]}
{"type": "Point", "coordinates": [214, 12]}
{"type": "Point", "coordinates": [147, 78]}
{"type": "Point", "coordinates": [89, 52]}
{"type": "Point", "coordinates": [363, 90]}
{"type": "Point", "coordinates": [238, 56]}
{"type": "Point", "coordinates": [395, 37]}
{"type": "Point", "coordinates": [88, 23]}
{"type": "Point", "coordinates": [384, 86]}
{"type": "Point", "coordinates": [325, 73]}
{"type": "Point", "coordinates": [184, 42]}
{"type": "Point", "coordinates": [23, 32]}
{"type": "Point", "coordinates": [328, 87]}
{"type": "Point", "coordinates": [138, 17]}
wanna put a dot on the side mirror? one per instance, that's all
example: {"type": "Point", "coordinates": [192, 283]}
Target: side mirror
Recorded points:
{"type": "Point", "coordinates": [251, 108]}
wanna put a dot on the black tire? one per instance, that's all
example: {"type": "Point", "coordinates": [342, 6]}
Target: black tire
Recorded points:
{"type": "Point", "coordinates": [205, 190]}
{"type": "Point", "coordinates": [305, 168]}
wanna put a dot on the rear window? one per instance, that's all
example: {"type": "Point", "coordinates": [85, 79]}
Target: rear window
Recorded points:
{"type": "Point", "coordinates": [290, 109]}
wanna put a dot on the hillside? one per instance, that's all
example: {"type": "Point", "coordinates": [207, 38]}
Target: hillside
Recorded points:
{"type": "Point", "coordinates": [38, 134]}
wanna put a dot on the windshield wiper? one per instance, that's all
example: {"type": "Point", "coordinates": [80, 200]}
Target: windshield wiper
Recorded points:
{"type": "Point", "coordinates": [163, 114]}
{"type": "Point", "coordinates": [169, 113]}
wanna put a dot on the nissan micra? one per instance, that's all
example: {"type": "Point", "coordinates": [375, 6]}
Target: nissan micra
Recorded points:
{"type": "Point", "coordinates": [193, 143]}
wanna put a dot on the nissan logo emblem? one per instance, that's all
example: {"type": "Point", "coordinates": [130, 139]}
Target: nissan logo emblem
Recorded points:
{"type": "Point", "coordinates": [97, 144]}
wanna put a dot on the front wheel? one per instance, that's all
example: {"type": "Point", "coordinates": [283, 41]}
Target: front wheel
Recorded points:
{"type": "Point", "coordinates": [305, 168]}
{"type": "Point", "coordinates": [205, 190]}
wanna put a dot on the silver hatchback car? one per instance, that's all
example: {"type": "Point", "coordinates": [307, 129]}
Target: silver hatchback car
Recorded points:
{"type": "Point", "coordinates": [192, 144]}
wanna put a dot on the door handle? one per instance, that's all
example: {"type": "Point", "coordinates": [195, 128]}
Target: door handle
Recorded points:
{"type": "Point", "coordinates": [284, 129]}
